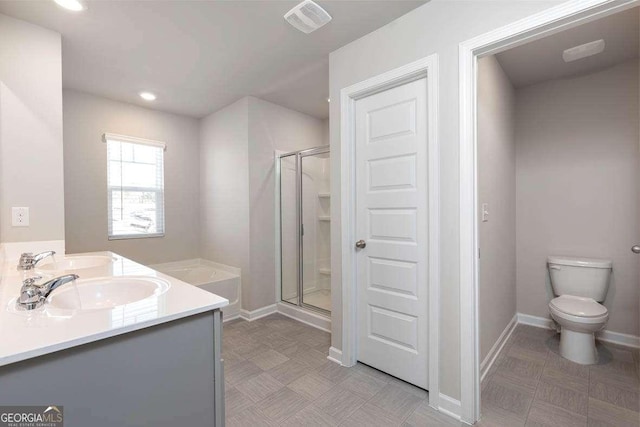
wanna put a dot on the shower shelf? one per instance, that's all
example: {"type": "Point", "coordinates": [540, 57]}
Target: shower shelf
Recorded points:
{"type": "Point", "coordinates": [326, 271]}
{"type": "Point", "coordinates": [324, 195]}
{"type": "Point", "coordinates": [324, 218]}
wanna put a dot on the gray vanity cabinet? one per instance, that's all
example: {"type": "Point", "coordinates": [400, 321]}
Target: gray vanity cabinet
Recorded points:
{"type": "Point", "coordinates": [162, 376]}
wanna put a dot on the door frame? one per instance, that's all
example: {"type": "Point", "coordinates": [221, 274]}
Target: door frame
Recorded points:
{"type": "Point", "coordinates": [424, 68]}
{"type": "Point", "coordinates": [298, 155]}
{"type": "Point", "coordinates": [545, 23]}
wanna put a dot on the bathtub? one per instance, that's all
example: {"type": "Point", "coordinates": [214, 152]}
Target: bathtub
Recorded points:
{"type": "Point", "coordinates": [219, 279]}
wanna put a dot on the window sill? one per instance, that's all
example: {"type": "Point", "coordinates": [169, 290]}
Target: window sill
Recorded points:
{"type": "Point", "coordinates": [135, 236]}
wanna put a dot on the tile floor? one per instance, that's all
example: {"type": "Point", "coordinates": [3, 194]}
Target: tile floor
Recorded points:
{"type": "Point", "coordinates": [277, 374]}
{"type": "Point", "coordinates": [530, 384]}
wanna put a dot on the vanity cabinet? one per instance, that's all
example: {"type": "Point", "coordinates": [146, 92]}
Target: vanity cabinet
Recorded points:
{"type": "Point", "coordinates": [165, 375]}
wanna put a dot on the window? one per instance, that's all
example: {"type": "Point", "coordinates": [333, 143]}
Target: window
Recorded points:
{"type": "Point", "coordinates": [135, 182]}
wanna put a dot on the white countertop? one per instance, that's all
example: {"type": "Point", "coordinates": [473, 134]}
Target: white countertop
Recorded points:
{"type": "Point", "coordinates": [27, 334]}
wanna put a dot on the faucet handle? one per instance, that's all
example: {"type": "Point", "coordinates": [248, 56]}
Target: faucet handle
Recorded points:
{"type": "Point", "coordinates": [30, 294]}
{"type": "Point", "coordinates": [31, 281]}
{"type": "Point", "coordinates": [26, 261]}
{"type": "Point", "coordinates": [33, 295]}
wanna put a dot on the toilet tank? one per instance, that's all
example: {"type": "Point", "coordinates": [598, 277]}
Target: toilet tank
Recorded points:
{"type": "Point", "coordinates": [581, 277]}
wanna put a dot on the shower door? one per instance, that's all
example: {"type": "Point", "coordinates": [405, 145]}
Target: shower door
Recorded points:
{"type": "Point", "coordinates": [289, 244]}
{"type": "Point", "coordinates": [305, 229]}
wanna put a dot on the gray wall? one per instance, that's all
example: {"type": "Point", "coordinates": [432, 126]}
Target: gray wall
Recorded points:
{"type": "Point", "coordinates": [86, 118]}
{"type": "Point", "coordinates": [224, 189]}
{"type": "Point", "coordinates": [437, 27]}
{"type": "Point", "coordinates": [497, 187]}
{"type": "Point", "coordinates": [31, 130]}
{"type": "Point", "coordinates": [238, 144]}
{"type": "Point", "coordinates": [578, 185]}
{"type": "Point", "coordinates": [219, 182]}
{"type": "Point", "coordinates": [271, 127]}
{"type": "Point", "coordinates": [326, 140]}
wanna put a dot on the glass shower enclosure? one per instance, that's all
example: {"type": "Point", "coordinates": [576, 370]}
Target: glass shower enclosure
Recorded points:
{"type": "Point", "coordinates": [305, 228]}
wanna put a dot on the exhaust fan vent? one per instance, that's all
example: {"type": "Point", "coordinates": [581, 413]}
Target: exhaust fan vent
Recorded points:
{"type": "Point", "coordinates": [307, 16]}
{"type": "Point", "coordinates": [583, 51]}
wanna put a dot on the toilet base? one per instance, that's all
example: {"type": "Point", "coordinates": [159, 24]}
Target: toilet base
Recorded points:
{"type": "Point", "coordinates": [578, 347]}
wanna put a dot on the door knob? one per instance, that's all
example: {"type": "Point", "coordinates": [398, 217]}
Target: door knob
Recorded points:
{"type": "Point", "coordinates": [361, 244]}
{"type": "Point", "coordinates": [636, 249]}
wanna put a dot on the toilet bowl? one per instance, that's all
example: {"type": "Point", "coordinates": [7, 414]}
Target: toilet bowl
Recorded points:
{"type": "Point", "coordinates": [580, 284]}
{"type": "Point", "coordinates": [579, 318]}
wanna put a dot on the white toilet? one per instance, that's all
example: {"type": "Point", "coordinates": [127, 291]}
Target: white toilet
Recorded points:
{"type": "Point", "coordinates": [580, 284]}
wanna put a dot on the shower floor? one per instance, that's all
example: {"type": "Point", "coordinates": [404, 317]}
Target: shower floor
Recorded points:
{"type": "Point", "coordinates": [320, 298]}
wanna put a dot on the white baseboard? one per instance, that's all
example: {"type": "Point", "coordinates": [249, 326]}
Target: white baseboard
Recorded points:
{"type": "Point", "coordinates": [618, 338]}
{"type": "Point", "coordinates": [335, 355]}
{"type": "Point", "coordinates": [488, 361]}
{"type": "Point", "coordinates": [538, 322]}
{"type": "Point", "coordinates": [259, 313]}
{"type": "Point", "coordinates": [626, 340]}
{"type": "Point", "coordinates": [304, 316]}
{"type": "Point", "coordinates": [230, 318]}
{"type": "Point", "coordinates": [449, 406]}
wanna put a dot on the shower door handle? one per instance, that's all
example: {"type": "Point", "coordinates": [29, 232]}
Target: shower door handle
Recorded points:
{"type": "Point", "coordinates": [361, 244]}
{"type": "Point", "coordinates": [635, 249]}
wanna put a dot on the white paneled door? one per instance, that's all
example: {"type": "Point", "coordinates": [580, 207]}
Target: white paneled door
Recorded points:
{"type": "Point", "coordinates": [391, 222]}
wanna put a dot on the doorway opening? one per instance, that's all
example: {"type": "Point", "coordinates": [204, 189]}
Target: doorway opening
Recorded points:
{"type": "Point", "coordinates": [549, 166]}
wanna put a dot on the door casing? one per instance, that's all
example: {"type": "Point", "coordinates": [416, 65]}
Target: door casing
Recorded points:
{"type": "Point", "coordinates": [553, 20]}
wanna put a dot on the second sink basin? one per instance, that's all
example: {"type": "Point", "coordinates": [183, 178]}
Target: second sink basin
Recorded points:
{"type": "Point", "coordinates": [75, 262]}
{"type": "Point", "coordinates": [105, 292]}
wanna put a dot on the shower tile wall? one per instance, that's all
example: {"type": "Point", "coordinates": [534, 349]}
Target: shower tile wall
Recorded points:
{"type": "Point", "coordinates": [316, 212]}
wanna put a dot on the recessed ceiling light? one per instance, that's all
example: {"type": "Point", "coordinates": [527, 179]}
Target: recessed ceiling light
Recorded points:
{"type": "Point", "coordinates": [74, 5]}
{"type": "Point", "coordinates": [147, 96]}
{"type": "Point", "coordinates": [583, 51]}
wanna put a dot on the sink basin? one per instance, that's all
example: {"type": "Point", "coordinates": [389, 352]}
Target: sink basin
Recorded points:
{"type": "Point", "coordinates": [105, 292]}
{"type": "Point", "coordinates": [75, 262]}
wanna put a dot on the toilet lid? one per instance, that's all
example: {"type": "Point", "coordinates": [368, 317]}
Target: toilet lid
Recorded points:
{"type": "Point", "coordinates": [578, 306]}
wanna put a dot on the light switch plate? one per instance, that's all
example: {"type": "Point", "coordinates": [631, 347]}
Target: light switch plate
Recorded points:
{"type": "Point", "coordinates": [485, 212]}
{"type": "Point", "coordinates": [20, 217]}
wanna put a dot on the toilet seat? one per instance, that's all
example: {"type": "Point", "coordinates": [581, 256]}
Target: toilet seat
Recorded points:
{"type": "Point", "coordinates": [579, 318]}
{"type": "Point", "coordinates": [578, 309]}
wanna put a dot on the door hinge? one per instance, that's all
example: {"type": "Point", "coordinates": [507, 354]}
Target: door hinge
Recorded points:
{"type": "Point", "coordinates": [302, 229]}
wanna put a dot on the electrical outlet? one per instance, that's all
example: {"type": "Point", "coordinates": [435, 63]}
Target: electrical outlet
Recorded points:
{"type": "Point", "coordinates": [20, 217]}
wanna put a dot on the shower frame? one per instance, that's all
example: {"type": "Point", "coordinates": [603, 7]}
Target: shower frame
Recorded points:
{"type": "Point", "coordinates": [299, 155]}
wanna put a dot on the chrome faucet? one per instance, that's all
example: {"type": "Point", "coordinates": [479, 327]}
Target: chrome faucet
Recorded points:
{"type": "Point", "coordinates": [33, 295]}
{"type": "Point", "coordinates": [28, 260]}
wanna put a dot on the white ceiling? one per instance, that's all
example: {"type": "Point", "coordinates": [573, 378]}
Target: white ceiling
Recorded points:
{"type": "Point", "coordinates": [541, 60]}
{"type": "Point", "coordinates": [199, 56]}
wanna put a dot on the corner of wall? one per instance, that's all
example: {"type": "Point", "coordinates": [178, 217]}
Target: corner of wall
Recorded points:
{"type": "Point", "coordinates": [31, 114]}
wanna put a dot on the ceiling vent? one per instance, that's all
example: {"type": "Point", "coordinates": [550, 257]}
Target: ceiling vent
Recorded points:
{"type": "Point", "coordinates": [307, 16]}
{"type": "Point", "coordinates": [583, 51]}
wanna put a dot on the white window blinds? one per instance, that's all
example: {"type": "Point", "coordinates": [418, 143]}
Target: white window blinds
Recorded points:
{"type": "Point", "coordinates": [135, 181]}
